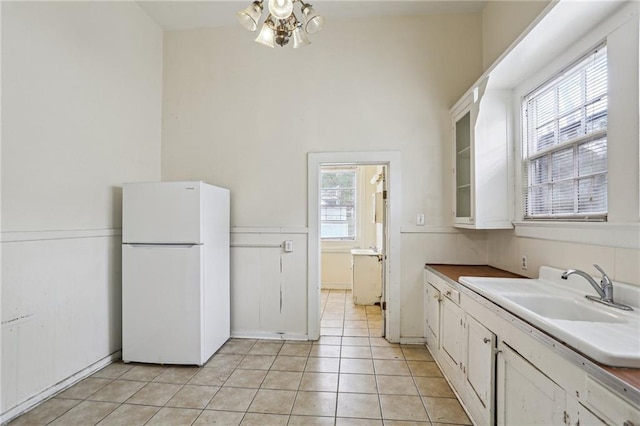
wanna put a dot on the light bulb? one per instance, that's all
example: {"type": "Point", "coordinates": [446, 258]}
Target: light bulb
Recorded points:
{"type": "Point", "coordinates": [281, 9]}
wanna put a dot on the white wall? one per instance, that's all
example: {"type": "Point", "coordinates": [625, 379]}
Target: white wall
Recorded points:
{"type": "Point", "coordinates": [503, 22]}
{"type": "Point", "coordinates": [81, 112]}
{"type": "Point", "coordinates": [614, 245]}
{"type": "Point", "coordinates": [243, 116]}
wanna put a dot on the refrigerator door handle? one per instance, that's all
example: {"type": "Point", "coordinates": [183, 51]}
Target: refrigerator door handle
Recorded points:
{"type": "Point", "coordinates": [169, 246]}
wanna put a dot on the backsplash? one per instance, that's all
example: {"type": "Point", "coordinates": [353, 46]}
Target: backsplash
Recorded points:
{"type": "Point", "coordinates": [505, 250]}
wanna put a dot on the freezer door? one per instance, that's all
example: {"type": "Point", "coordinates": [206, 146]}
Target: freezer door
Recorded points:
{"type": "Point", "coordinates": [161, 213]}
{"type": "Point", "coordinates": [162, 304]}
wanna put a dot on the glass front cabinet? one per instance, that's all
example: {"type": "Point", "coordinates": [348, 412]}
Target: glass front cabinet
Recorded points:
{"type": "Point", "coordinates": [482, 169]}
{"type": "Point", "coordinates": [463, 213]}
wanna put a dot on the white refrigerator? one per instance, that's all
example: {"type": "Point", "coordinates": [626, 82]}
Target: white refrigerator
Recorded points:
{"type": "Point", "coordinates": [175, 272]}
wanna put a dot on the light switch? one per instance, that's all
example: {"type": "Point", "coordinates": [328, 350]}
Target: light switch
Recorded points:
{"type": "Point", "coordinates": [288, 246]}
{"type": "Point", "coordinates": [420, 219]}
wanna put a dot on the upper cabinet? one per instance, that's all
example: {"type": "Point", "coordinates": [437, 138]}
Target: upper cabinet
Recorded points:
{"type": "Point", "coordinates": [482, 172]}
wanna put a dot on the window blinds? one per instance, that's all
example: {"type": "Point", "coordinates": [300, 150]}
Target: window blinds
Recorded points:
{"type": "Point", "coordinates": [565, 143]}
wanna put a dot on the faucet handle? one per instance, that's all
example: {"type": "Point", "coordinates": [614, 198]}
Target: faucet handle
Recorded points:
{"type": "Point", "coordinates": [605, 278]}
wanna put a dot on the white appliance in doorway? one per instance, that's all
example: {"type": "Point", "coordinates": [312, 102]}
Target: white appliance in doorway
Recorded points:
{"type": "Point", "coordinates": [175, 272]}
{"type": "Point", "coordinates": [366, 281]}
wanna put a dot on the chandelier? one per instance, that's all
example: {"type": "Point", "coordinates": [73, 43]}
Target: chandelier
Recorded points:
{"type": "Point", "coordinates": [282, 24]}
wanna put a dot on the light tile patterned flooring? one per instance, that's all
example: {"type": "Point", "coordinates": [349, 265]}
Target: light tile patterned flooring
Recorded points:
{"type": "Point", "coordinates": [351, 376]}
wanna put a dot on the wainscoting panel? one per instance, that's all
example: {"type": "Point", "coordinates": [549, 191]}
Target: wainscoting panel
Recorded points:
{"type": "Point", "coordinates": [268, 285]}
{"type": "Point", "coordinates": [61, 310]}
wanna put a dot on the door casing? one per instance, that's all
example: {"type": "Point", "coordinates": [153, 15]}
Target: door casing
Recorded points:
{"type": "Point", "coordinates": [392, 160]}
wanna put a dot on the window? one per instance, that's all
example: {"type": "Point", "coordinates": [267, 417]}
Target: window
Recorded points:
{"type": "Point", "coordinates": [564, 143]}
{"type": "Point", "coordinates": [338, 204]}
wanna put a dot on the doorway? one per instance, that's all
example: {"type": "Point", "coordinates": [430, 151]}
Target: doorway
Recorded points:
{"type": "Point", "coordinates": [352, 249]}
{"type": "Point", "coordinates": [390, 258]}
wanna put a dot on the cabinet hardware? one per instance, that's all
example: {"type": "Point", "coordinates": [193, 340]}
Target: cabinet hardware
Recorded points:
{"type": "Point", "coordinates": [628, 423]}
{"type": "Point", "coordinates": [486, 340]}
{"type": "Point", "coordinates": [448, 293]}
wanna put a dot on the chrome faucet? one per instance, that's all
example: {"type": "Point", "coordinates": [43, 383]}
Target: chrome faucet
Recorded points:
{"type": "Point", "coordinates": [604, 289]}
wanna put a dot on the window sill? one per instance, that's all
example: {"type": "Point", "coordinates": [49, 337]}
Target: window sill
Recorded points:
{"type": "Point", "coordinates": [334, 249]}
{"type": "Point", "coordinates": [619, 235]}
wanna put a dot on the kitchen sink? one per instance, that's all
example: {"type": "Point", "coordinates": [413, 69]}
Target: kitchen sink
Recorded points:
{"type": "Point", "coordinates": [563, 308]}
{"type": "Point", "coordinates": [559, 308]}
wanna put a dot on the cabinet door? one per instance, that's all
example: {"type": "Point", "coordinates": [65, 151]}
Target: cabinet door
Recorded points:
{"type": "Point", "coordinates": [432, 316]}
{"type": "Point", "coordinates": [452, 331]}
{"type": "Point", "coordinates": [480, 367]}
{"type": "Point", "coordinates": [525, 395]}
{"type": "Point", "coordinates": [608, 406]}
{"type": "Point", "coordinates": [587, 418]}
{"type": "Point", "coordinates": [463, 168]}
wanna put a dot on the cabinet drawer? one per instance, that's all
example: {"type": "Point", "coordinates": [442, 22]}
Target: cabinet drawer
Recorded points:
{"type": "Point", "coordinates": [451, 294]}
{"type": "Point", "coordinates": [609, 406]}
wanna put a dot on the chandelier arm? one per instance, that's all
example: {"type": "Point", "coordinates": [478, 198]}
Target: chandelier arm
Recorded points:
{"type": "Point", "coordinates": [270, 23]}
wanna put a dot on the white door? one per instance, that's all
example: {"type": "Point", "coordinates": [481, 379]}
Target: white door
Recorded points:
{"type": "Point", "coordinates": [481, 366]}
{"type": "Point", "coordinates": [525, 395]}
{"type": "Point", "coordinates": [451, 338]}
{"type": "Point", "coordinates": [432, 316]}
{"type": "Point", "coordinates": [161, 213]}
{"type": "Point", "coordinates": [161, 304]}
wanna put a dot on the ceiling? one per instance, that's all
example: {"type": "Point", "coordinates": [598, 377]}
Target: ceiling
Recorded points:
{"type": "Point", "coordinates": [184, 15]}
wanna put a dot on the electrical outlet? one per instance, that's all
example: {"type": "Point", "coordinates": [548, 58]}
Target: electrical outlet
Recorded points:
{"type": "Point", "coordinates": [288, 246]}
{"type": "Point", "coordinates": [524, 264]}
{"type": "Point", "coordinates": [420, 219]}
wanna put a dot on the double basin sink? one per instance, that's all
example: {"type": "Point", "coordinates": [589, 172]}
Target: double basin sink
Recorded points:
{"type": "Point", "coordinates": [558, 307]}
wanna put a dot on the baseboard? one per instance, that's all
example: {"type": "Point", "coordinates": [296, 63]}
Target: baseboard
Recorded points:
{"type": "Point", "coordinates": [268, 335]}
{"type": "Point", "coordinates": [25, 406]}
{"type": "Point", "coordinates": [335, 286]}
{"type": "Point", "coordinates": [413, 340]}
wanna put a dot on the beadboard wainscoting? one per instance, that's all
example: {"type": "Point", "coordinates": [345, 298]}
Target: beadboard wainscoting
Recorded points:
{"type": "Point", "coordinates": [61, 311]}
{"type": "Point", "coordinates": [269, 293]}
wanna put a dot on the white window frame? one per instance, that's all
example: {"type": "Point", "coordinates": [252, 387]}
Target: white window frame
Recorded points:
{"type": "Point", "coordinates": [571, 143]}
{"type": "Point", "coordinates": [351, 242]}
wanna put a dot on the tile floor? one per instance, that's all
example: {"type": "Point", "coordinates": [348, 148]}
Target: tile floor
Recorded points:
{"type": "Point", "coordinates": [351, 376]}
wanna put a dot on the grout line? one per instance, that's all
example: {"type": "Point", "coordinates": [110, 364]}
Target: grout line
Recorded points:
{"type": "Point", "coordinates": [334, 301]}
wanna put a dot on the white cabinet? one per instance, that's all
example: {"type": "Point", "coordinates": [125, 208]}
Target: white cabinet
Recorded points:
{"type": "Point", "coordinates": [587, 418]}
{"type": "Point", "coordinates": [606, 407]}
{"type": "Point", "coordinates": [480, 366]}
{"type": "Point", "coordinates": [452, 332]}
{"type": "Point", "coordinates": [463, 346]}
{"type": "Point", "coordinates": [367, 279]}
{"type": "Point", "coordinates": [432, 301]}
{"type": "Point", "coordinates": [482, 173]}
{"type": "Point", "coordinates": [525, 395]}
{"type": "Point", "coordinates": [463, 168]}
{"type": "Point", "coordinates": [509, 373]}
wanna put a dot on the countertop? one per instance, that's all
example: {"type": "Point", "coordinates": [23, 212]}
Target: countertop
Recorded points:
{"type": "Point", "coordinates": [454, 272]}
